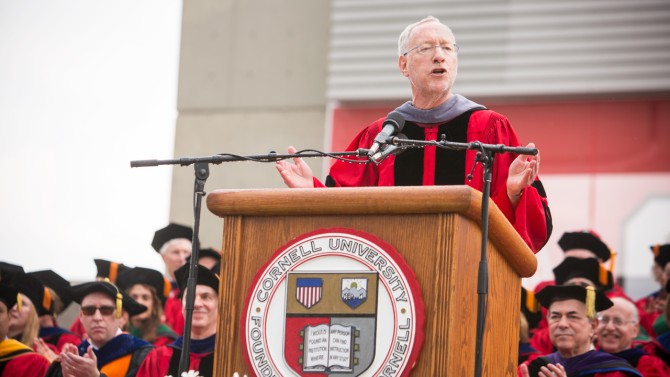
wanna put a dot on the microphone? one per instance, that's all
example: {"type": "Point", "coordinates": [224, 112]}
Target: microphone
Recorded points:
{"type": "Point", "coordinates": [391, 149]}
{"type": "Point", "coordinates": [392, 125]}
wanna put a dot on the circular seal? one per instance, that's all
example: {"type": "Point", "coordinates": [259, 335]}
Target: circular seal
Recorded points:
{"type": "Point", "coordinates": [333, 302]}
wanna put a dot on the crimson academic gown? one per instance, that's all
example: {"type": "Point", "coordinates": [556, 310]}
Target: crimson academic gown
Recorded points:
{"type": "Point", "coordinates": [649, 366]}
{"type": "Point", "coordinates": [592, 364]}
{"type": "Point", "coordinates": [18, 360]}
{"type": "Point", "coordinates": [531, 219]}
{"type": "Point", "coordinates": [164, 360]}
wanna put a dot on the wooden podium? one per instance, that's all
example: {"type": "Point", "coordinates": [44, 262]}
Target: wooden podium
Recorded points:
{"type": "Point", "coordinates": [437, 230]}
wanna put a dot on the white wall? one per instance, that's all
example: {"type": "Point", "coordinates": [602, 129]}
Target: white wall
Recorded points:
{"type": "Point", "coordinates": [85, 87]}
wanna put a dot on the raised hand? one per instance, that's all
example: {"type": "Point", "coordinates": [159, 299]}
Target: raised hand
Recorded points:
{"type": "Point", "coordinates": [297, 174]}
{"type": "Point", "coordinates": [522, 173]}
{"type": "Point", "coordinates": [74, 365]}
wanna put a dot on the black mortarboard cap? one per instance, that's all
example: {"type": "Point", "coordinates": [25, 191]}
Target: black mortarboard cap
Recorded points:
{"type": "Point", "coordinates": [170, 232]}
{"type": "Point", "coordinates": [146, 276]}
{"type": "Point", "coordinates": [661, 254]}
{"type": "Point", "coordinates": [35, 291]}
{"type": "Point", "coordinates": [530, 308]}
{"type": "Point", "coordinates": [109, 270]}
{"type": "Point", "coordinates": [588, 268]}
{"type": "Point", "coordinates": [8, 295]}
{"type": "Point", "coordinates": [56, 282]}
{"type": "Point", "coordinates": [595, 301]}
{"type": "Point", "coordinates": [122, 300]}
{"type": "Point", "coordinates": [585, 240]}
{"type": "Point", "coordinates": [205, 277]}
{"type": "Point", "coordinates": [8, 272]}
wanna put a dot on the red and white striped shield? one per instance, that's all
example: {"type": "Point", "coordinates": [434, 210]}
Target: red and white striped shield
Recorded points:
{"type": "Point", "coordinates": [308, 291]}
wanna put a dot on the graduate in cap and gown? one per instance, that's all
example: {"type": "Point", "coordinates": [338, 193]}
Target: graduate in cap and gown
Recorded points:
{"type": "Point", "coordinates": [16, 359]}
{"type": "Point", "coordinates": [106, 270]}
{"type": "Point", "coordinates": [149, 288]}
{"type": "Point", "coordinates": [585, 272]}
{"type": "Point", "coordinates": [50, 333]}
{"type": "Point", "coordinates": [165, 360]}
{"type": "Point", "coordinates": [652, 306]}
{"type": "Point", "coordinates": [107, 351]}
{"type": "Point", "coordinates": [572, 327]}
{"type": "Point", "coordinates": [174, 244]}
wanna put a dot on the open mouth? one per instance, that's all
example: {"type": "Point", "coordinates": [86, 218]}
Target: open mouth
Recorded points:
{"type": "Point", "coordinates": [439, 71]}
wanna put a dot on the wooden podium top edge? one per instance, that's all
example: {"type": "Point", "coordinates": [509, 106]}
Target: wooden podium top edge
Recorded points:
{"type": "Point", "coordinates": [463, 200]}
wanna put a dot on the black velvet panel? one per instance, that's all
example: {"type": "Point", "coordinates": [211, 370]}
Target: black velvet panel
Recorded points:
{"type": "Point", "coordinates": [449, 164]}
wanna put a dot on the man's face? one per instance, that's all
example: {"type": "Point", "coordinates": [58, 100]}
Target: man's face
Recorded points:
{"type": "Point", "coordinates": [616, 328]}
{"type": "Point", "coordinates": [174, 256]}
{"type": "Point", "coordinates": [4, 320]}
{"type": "Point", "coordinates": [570, 330]}
{"type": "Point", "coordinates": [99, 327]}
{"type": "Point", "coordinates": [431, 74]}
{"type": "Point", "coordinates": [204, 310]}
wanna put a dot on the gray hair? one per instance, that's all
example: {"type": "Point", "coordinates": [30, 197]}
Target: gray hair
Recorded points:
{"type": "Point", "coordinates": [170, 243]}
{"type": "Point", "coordinates": [404, 36]}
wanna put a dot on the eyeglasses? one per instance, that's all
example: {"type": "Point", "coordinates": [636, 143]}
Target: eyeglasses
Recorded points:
{"type": "Point", "coordinates": [616, 321]}
{"type": "Point", "coordinates": [427, 49]}
{"type": "Point", "coordinates": [104, 310]}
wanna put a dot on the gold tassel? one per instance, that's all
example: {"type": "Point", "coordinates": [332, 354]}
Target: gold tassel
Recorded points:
{"type": "Point", "coordinates": [590, 302]}
{"type": "Point", "coordinates": [19, 301]}
{"type": "Point", "coordinates": [612, 260]}
{"type": "Point", "coordinates": [119, 299]}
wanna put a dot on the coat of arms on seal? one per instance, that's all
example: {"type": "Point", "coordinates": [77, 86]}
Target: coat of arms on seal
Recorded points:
{"type": "Point", "coordinates": [333, 303]}
{"type": "Point", "coordinates": [338, 334]}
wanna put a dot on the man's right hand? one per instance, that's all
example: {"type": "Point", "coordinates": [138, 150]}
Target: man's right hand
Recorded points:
{"type": "Point", "coordinates": [297, 174]}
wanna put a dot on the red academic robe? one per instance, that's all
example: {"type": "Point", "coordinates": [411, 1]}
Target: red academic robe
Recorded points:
{"type": "Point", "coordinates": [531, 218]}
{"type": "Point", "coordinates": [174, 317]}
{"type": "Point", "coordinates": [162, 359]}
{"type": "Point", "coordinates": [17, 359]}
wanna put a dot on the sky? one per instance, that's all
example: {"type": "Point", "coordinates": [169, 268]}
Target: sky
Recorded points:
{"type": "Point", "coordinates": [85, 87]}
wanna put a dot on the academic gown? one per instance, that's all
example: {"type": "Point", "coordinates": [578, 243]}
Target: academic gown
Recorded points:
{"type": "Point", "coordinates": [591, 364]}
{"type": "Point", "coordinates": [649, 366]}
{"type": "Point", "coordinates": [164, 335]}
{"type": "Point", "coordinates": [58, 337]}
{"type": "Point", "coordinates": [120, 357]}
{"type": "Point", "coordinates": [531, 219]}
{"type": "Point", "coordinates": [164, 360]}
{"type": "Point", "coordinates": [174, 316]}
{"type": "Point", "coordinates": [18, 360]}
{"type": "Point", "coordinates": [526, 352]}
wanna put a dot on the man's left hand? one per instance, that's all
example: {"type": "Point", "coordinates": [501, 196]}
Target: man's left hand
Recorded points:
{"type": "Point", "coordinates": [522, 173]}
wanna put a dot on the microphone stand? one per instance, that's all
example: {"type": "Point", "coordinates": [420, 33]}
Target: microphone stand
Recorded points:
{"type": "Point", "coordinates": [201, 166]}
{"type": "Point", "coordinates": [485, 156]}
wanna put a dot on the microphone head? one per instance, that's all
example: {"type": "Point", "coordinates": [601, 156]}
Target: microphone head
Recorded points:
{"type": "Point", "coordinates": [396, 120]}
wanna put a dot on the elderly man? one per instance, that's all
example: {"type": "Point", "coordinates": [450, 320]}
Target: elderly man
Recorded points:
{"type": "Point", "coordinates": [428, 58]}
{"type": "Point", "coordinates": [107, 350]}
{"type": "Point", "coordinates": [572, 326]}
{"type": "Point", "coordinates": [617, 328]}
{"type": "Point", "coordinates": [173, 243]}
{"type": "Point", "coordinates": [16, 359]}
{"type": "Point", "coordinates": [164, 360]}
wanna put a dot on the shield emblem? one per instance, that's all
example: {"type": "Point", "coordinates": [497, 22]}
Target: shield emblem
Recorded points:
{"type": "Point", "coordinates": [308, 291]}
{"type": "Point", "coordinates": [337, 337]}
